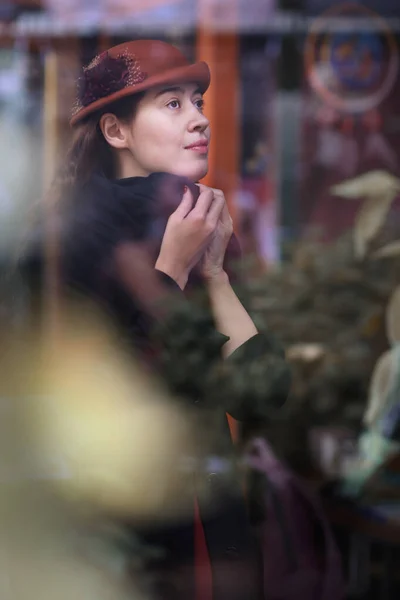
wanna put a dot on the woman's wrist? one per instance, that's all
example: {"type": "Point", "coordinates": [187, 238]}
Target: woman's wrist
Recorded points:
{"type": "Point", "coordinates": [217, 278]}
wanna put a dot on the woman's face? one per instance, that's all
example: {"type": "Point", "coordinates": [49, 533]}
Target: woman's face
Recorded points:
{"type": "Point", "coordinates": [170, 133]}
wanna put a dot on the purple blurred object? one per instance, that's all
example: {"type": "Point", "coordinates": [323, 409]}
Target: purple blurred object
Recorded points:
{"type": "Point", "coordinates": [300, 557]}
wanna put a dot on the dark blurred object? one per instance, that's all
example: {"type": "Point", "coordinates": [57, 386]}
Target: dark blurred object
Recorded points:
{"type": "Point", "coordinates": [291, 5]}
{"type": "Point", "coordinates": [172, 568]}
{"type": "Point", "coordinates": [332, 448]}
{"type": "Point", "coordinates": [11, 9]}
{"type": "Point", "coordinates": [28, 4]}
{"type": "Point", "coordinates": [290, 69]}
{"type": "Point", "coordinates": [8, 11]}
{"type": "Point", "coordinates": [293, 533]}
{"type": "Point", "coordinates": [390, 423]}
{"type": "Point", "coordinates": [290, 64]}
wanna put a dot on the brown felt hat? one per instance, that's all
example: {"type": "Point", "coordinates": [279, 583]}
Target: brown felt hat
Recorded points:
{"type": "Point", "coordinates": [130, 68]}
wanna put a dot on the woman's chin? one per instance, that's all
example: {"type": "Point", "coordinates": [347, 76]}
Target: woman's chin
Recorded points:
{"type": "Point", "coordinates": [200, 175]}
{"type": "Point", "coordinates": [197, 175]}
{"type": "Point", "coordinates": [194, 174]}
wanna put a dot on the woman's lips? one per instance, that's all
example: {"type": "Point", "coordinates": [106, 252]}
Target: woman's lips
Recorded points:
{"type": "Point", "coordinates": [201, 147]}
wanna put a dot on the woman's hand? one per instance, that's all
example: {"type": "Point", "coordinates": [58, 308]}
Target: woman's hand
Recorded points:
{"type": "Point", "coordinates": [188, 233]}
{"type": "Point", "coordinates": [213, 259]}
{"type": "Point", "coordinates": [230, 316]}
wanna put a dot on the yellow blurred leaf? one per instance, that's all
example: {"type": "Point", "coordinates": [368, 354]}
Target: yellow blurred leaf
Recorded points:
{"type": "Point", "coordinates": [369, 220]}
{"type": "Point", "coordinates": [388, 251]}
{"type": "Point", "coordinates": [382, 378]}
{"type": "Point", "coordinates": [373, 183]}
{"type": "Point", "coordinates": [97, 429]}
{"type": "Point", "coordinates": [372, 325]}
{"type": "Point", "coordinates": [393, 317]}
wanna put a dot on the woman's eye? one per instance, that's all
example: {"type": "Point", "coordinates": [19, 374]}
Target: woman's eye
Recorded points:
{"type": "Point", "coordinates": [173, 104]}
{"type": "Point", "coordinates": [200, 103]}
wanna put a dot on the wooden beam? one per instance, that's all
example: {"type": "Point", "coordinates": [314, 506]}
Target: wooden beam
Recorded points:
{"type": "Point", "coordinates": [29, 3]}
{"type": "Point", "coordinates": [61, 70]}
{"type": "Point", "coordinates": [221, 52]}
{"type": "Point", "coordinates": [50, 147]}
{"type": "Point", "coordinates": [50, 115]}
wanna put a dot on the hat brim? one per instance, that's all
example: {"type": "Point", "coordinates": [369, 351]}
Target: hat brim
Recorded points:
{"type": "Point", "coordinates": [196, 73]}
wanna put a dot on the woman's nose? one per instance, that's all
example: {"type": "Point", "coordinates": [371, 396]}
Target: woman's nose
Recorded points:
{"type": "Point", "coordinates": [198, 122]}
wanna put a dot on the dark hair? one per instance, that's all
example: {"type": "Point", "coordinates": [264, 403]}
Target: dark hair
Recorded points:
{"type": "Point", "coordinates": [89, 151]}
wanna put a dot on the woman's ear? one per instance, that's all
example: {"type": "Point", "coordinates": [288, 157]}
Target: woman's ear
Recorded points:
{"type": "Point", "coordinates": [115, 133]}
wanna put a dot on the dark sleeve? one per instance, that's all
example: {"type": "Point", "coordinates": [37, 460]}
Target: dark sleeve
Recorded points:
{"type": "Point", "coordinates": [170, 283]}
{"type": "Point", "coordinates": [190, 348]}
{"type": "Point", "coordinates": [253, 383]}
{"type": "Point", "coordinates": [255, 380]}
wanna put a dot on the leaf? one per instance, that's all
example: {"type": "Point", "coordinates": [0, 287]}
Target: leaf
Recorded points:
{"type": "Point", "coordinates": [369, 220]}
{"type": "Point", "coordinates": [393, 317]}
{"type": "Point", "coordinates": [379, 386]}
{"type": "Point", "coordinates": [388, 251]}
{"type": "Point", "coordinates": [373, 183]}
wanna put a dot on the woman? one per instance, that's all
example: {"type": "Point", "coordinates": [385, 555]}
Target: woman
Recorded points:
{"type": "Point", "coordinates": [133, 230]}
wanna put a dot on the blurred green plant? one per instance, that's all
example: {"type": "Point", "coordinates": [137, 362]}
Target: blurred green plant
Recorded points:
{"type": "Point", "coordinates": [326, 304]}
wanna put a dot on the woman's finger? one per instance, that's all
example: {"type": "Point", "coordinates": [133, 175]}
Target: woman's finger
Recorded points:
{"type": "Point", "coordinates": [216, 209]}
{"type": "Point", "coordinates": [204, 202]}
{"type": "Point", "coordinates": [217, 206]}
{"type": "Point", "coordinates": [186, 204]}
{"type": "Point", "coordinates": [215, 191]}
{"type": "Point", "coordinates": [226, 215]}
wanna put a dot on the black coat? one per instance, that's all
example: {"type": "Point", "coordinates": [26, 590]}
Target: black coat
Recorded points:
{"type": "Point", "coordinates": [182, 344]}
